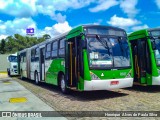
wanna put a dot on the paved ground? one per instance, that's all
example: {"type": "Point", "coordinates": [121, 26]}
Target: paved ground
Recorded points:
{"type": "Point", "coordinates": [138, 98]}
{"type": "Point", "coordinates": [15, 97]}
{"type": "Point", "coordinates": [3, 75]}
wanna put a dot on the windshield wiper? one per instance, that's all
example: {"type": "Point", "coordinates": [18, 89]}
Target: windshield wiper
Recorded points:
{"type": "Point", "coordinates": [104, 44]}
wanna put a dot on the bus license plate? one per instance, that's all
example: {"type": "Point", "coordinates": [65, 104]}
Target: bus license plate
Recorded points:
{"type": "Point", "coordinates": [114, 82]}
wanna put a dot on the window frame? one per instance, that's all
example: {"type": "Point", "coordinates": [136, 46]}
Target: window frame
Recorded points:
{"type": "Point", "coordinates": [36, 58]}
{"type": "Point", "coordinates": [59, 43]}
{"type": "Point", "coordinates": [33, 56]}
{"type": "Point", "coordinates": [46, 51]}
{"type": "Point", "coordinates": [56, 41]}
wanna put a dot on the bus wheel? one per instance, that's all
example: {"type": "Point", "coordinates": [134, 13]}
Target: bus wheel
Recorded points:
{"type": "Point", "coordinates": [63, 84]}
{"type": "Point", "coordinates": [36, 78]}
{"type": "Point", "coordinates": [21, 75]}
{"type": "Point", "coordinates": [8, 71]}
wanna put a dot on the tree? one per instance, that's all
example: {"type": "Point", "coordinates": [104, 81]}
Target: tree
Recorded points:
{"type": "Point", "coordinates": [2, 47]}
{"type": "Point", "coordinates": [18, 42]}
{"type": "Point", "coordinates": [46, 36]}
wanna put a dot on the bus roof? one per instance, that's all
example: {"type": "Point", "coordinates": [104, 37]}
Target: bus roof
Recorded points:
{"type": "Point", "coordinates": [73, 32]}
{"type": "Point", "coordinates": [140, 33]}
{"type": "Point", "coordinates": [153, 29]}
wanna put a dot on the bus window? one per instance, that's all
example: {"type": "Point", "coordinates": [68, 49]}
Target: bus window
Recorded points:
{"type": "Point", "coordinates": [36, 54]}
{"type": "Point", "coordinates": [21, 57]}
{"type": "Point", "coordinates": [61, 47]}
{"type": "Point", "coordinates": [32, 55]}
{"type": "Point", "coordinates": [54, 49]}
{"type": "Point", "coordinates": [48, 51]}
{"type": "Point", "coordinates": [24, 58]}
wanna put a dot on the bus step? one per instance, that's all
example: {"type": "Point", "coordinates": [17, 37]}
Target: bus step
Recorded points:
{"type": "Point", "coordinates": [137, 83]}
{"type": "Point", "coordinates": [73, 88]}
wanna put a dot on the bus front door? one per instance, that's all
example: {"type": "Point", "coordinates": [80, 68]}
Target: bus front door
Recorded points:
{"type": "Point", "coordinates": [72, 62]}
{"type": "Point", "coordinates": [140, 62]}
{"type": "Point", "coordinates": [42, 51]}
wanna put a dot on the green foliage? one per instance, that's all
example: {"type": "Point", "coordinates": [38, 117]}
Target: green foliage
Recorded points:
{"type": "Point", "coordinates": [2, 46]}
{"type": "Point", "coordinates": [18, 42]}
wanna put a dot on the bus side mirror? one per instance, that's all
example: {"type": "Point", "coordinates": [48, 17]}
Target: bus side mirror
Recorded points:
{"type": "Point", "coordinates": [84, 44]}
{"type": "Point", "coordinates": [153, 45]}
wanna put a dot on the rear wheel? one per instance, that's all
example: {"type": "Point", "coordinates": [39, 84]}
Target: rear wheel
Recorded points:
{"type": "Point", "coordinates": [36, 78]}
{"type": "Point", "coordinates": [63, 85]}
{"type": "Point", "coordinates": [21, 75]}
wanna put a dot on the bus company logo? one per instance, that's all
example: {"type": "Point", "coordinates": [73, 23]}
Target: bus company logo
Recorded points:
{"type": "Point", "coordinates": [30, 31]}
{"type": "Point", "coordinates": [102, 74]}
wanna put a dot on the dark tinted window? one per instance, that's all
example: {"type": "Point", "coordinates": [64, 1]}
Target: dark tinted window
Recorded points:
{"type": "Point", "coordinates": [61, 47]}
{"type": "Point", "coordinates": [32, 55]}
{"type": "Point", "coordinates": [36, 54]}
{"type": "Point", "coordinates": [48, 51]}
{"type": "Point", "coordinates": [54, 48]}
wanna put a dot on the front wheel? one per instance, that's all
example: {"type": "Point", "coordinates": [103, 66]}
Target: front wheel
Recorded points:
{"type": "Point", "coordinates": [63, 85]}
{"type": "Point", "coordinates": [8, 71]}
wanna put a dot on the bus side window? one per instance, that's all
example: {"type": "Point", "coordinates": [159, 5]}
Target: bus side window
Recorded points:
{"type": "Point", "coordinates": [32, 55]}
{"type": "Point", "coordinates": [54, 48]}
{"type": "Point", "coordinates": [36, 54]}
{"type": "Point", "coordinates": [61, 47]}
{"type": "Point", "coordinates": [48, 51]}
{"type": "Point", "coordinates": [24, 57]}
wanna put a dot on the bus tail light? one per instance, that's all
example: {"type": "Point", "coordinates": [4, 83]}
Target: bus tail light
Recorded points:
{"type": "Point", "coordinates": [114, 82]}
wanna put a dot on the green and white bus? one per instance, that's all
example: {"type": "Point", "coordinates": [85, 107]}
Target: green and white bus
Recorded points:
{"type": "Point", "coordinates": [88, 57]}
{"type": "Point", "coordinates": [145, 48]}
{"type": "Point", "coordinates": [13, 65]}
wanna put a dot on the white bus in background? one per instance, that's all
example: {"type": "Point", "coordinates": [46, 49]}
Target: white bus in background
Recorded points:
{"type": "Point", "coordinates": [23, 59]}
{"type": "Point", "coordinates": [32, 62]}
{"type": "Point", "coordinates": [13, 65]}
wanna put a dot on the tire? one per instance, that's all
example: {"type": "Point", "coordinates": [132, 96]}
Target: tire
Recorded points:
{"type": "Point", "coordinates": [8, 71]}
{"type": "Point", "coordinates": [36, 78]}
{"type": "Point", "coordinates": [63, 85]}
{"type": "Point", "coordinates": [21, 75]}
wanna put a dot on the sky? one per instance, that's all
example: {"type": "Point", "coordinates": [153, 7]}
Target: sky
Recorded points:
{"type": "Point", "coordinates": [58, 16]}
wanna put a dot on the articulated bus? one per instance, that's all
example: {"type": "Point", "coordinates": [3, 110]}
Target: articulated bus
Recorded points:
{"type": "Point", "coordinates": [13, 65]}
{"type": "Point", "coordinates": [88, 57]}
{"type": "Point", "coordinates": [145, 48]}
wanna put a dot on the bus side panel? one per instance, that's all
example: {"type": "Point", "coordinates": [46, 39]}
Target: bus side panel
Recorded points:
{"type": "Point", "coordinates": [28, 61]}
{"type": "Point", "coordinates": [34, 68]}
{"type": "Point", "coordinates": [55, 67]}
{"type": "Point", "coordinates": [86, 71]}
{"type": "Point", "coordinates": [48, 75]}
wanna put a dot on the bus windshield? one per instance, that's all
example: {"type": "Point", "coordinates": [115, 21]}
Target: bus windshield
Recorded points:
{"type": "Point", "coordinates": [157, 51]}
{"type": "Point", "coordinates": [12, 58]}
{"type": "Point", "coordinates": [108, 52]}
{"type": "Point", "coordinates": [155, 34]}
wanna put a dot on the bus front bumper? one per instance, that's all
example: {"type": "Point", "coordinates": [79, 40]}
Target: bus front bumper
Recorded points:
{"type": "Point", "coordinates": [156, 80]}
{"type": "Point", "coordinates": [107, 84]}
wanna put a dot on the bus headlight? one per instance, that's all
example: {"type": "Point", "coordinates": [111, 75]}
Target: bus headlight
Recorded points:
{"type": "Point", "coordinates": [128, 75]}
{"type": "Point", "coordinates": [94, 77]}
